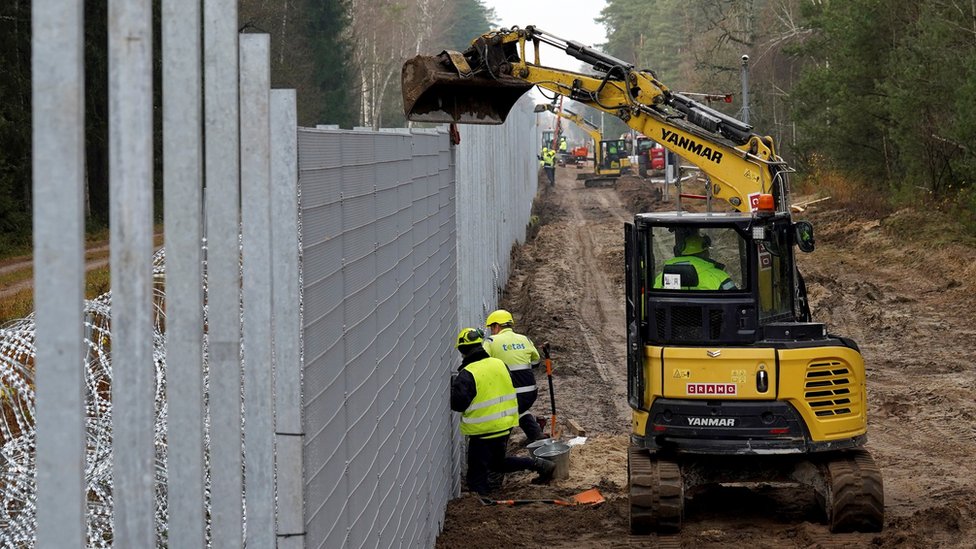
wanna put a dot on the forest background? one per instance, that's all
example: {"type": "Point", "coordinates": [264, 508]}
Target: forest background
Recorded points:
{"type": "Point", "coordinates": [877, 97]}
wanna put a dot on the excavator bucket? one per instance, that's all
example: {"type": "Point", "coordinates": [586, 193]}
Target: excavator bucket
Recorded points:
{"type": "Point", "coordinates": [444, 89]}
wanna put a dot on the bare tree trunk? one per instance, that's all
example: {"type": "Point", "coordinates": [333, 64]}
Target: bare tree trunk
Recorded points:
{"type": "Point", "coordinates": [386, 35]}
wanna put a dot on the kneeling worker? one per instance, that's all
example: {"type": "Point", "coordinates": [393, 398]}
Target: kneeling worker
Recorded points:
{"type": "Point", "coordinates": [520, 355]}
{"type": "Point", "coordinates": [483, 392]}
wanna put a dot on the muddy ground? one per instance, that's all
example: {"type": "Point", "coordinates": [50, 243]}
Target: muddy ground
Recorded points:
{"type": "Point", "coordinates": [909, 305]}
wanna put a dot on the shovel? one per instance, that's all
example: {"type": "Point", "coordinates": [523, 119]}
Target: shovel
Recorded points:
{"type": "Point", "coordinates": [589, 497]}
{"type": "Point", "coordinates": [552, 396]}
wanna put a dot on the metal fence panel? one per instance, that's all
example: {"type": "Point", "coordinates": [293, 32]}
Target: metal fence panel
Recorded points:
{"type": "Point", "coordinates": [374, 333]}
{"type": "Point", "coordinates": [398, 239]}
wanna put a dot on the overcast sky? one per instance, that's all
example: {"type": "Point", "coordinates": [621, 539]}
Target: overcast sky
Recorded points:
{"type": "Point", "coordinates": [567, 19]}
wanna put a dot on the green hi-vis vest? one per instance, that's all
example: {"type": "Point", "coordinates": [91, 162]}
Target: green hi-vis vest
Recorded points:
{"type": "Point", "coordinates": [710, 277]}
{"type": "Point", "coordinates": [549, 157]}
{"type": "Point", "coordinates": [494, 408]}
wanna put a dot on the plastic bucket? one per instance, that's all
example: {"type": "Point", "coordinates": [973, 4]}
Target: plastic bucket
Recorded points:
{"type": "Point", "coordinates": [558, 453]}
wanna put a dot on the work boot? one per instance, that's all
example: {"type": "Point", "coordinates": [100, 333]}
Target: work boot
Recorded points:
{"type": "Point", "coordinates": [545, 468]}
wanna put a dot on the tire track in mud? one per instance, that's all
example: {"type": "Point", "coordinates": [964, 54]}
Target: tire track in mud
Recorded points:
{"type": "Point", "coordinates": [567, 290]}
{"type": "Point", "coordinates": [600, 312]}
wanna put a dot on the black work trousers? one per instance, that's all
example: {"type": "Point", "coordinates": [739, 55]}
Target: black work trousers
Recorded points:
{"type": "Point", "coordinates": [530, 426]}
{"type": "Point", "coordinates": [488, 455]}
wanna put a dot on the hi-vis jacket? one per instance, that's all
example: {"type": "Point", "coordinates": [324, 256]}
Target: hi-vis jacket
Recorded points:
{"type": "Point", "coordinates": [548, 158]}
{"type": "Point", "coordinates": [519, 354]}
{"type": "Point", "coordinates": [710, 275]}
{"type": "Point", "coordinates": [483, 393]}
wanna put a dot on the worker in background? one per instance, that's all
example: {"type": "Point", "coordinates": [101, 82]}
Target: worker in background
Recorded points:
{"type": "Point", "coordinates": [563, 151]}
{"type": "Point", "coordinates": [692, 248]}
{"type": "Point", "coordinates": [549, 164]}
{"type": "Point", "coordinates": [483, 392]}
{"type": "Point", "coordinates": [613, 155]}
{"type": "Point", "coordinates": [520, 355]}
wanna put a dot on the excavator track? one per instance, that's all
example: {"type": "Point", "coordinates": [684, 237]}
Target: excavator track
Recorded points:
{"type": "Point", "coordinates": [855, 499]}
{"type": "Point", "coordinates": [656, 493]}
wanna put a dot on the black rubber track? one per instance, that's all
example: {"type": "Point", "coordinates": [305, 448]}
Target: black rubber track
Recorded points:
{"type": "Point", "coordinates": [656, 494]}
{"type": "Point", "coordinates": [856, 502]}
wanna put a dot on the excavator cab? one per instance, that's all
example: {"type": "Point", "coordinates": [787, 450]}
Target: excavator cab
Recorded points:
{"type": "Point", "coordinates": [614, 155]}
{"type": "Point", "coordinates": [715, 278]}
{"type": "Point", "coordinates": [728, 379]}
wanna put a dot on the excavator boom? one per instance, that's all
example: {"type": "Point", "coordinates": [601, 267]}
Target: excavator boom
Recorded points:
{"type": "Point", "coordinates": [480, 86]}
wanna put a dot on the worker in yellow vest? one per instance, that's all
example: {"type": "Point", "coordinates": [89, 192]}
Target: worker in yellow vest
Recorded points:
{"type": "Point", "coordinates": [549, 164]}
{"type": "Point", "coordinates": [483, 392]}
{"type": "Point", "coordinates": [520, 355]}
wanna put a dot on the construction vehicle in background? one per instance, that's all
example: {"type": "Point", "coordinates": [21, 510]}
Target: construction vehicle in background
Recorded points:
{"type": "Point", "coordinates": [728, 383]}
{"type": "Point", "coordinates": [609, 155]}
{"type": "Point", "coordinates": [579, 155]}
{"type": "Point", "coordinates": [547, 139]}
{"type": "Point", "coordinates": [649, 153]}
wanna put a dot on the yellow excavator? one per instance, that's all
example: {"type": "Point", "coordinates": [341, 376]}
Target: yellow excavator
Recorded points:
{"type": "Point", "coordinates": [609, 155]}
{"type": "Point", "coordinates": [729, 378]}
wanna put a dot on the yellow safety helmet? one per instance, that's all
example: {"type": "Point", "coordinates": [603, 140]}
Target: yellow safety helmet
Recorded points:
{"type": "Point", "coordinates": [692, 244]}
{"type": "Point", "coordinates": [470, 336]}
{"type": "Point", "coordinates": [501, 316]}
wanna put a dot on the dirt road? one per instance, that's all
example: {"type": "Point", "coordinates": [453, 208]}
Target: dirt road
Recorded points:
{"type": "Point", "coordinates": [911, 308]}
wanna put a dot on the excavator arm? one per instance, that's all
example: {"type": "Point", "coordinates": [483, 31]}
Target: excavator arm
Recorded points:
{"type": "Point", "coordinates": [583, 124]}
{"type": "Point", "coordinates": [482, 84]}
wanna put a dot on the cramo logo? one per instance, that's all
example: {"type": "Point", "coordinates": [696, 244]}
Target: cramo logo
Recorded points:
{"type": "Point", "coordinates": [691, 146]}
{"type": "Point", "coordinates": [711, 421]}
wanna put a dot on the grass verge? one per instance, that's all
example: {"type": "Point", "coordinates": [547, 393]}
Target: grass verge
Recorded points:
{"type": "Point", "coordinates": [21, 304]}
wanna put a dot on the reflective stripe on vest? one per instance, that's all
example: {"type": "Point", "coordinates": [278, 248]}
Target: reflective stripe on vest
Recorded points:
{"type": "Point", "coordinates": [517, 367]}
{"type": "Point", "coordinates": [487, 403]}
{"type": "Point", "coordinates": [482, 419]}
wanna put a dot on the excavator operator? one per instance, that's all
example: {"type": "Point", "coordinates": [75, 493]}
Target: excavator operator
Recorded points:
{"type": "Point", "coordinates": [692, 249]}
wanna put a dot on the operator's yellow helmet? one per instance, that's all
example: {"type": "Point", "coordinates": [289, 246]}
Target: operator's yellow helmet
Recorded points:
{"type": "Point", "coordinates": [693, 244]}
{"type": "Point", "coordinates": [470, 336]}
{"type": "Point", "coordinates": [501, 316]}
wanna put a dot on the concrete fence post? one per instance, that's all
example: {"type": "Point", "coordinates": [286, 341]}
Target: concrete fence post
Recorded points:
{"type": "Point", "coordinates": [130, 213]}
{"type": "Point", "coordinates": [183, 201]}
{"type": "Point", "coordinates": [286, 309]}
{"type": "Point", "coordinates": [222, 173]}
{"type": "Point", "coordinates": [58, 111]}
{"type": "Point", "coordinates": [256, 230]}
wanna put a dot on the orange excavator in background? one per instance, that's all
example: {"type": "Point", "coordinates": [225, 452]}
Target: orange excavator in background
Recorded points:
{"type": "Point", "coordinates": [729, 378]}
{"type": "Point", "coordinates": [609, 155]}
